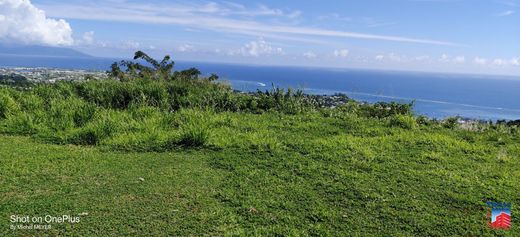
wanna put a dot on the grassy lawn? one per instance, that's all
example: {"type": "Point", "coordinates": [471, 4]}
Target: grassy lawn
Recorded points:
{"type": "Point", "coordinates": [301, 175]}
{"type": "Point", "coordinates": [176, 196]}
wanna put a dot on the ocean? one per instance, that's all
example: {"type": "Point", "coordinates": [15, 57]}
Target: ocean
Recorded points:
{"type": "Point", "coordinates": [435, 95]}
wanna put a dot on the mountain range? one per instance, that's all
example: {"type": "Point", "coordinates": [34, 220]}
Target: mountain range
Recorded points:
{"type": "Point", "coordinates": [37, 50]}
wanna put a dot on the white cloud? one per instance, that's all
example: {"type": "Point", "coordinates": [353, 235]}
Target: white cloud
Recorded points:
{"type": "Point", "coordinates": [422, 58]}
{"type": "Point", "coordinates": [213, 17]}
{"type": "Point", "coordinates": [506, 13]}
{"type": "Point", "coordinates": [341, 53]}
{"type": "Point", "coordinates": [480, 61]}
{"type": "Point", "coordinates": [294, 14]}
{"type": "Point", "coordinates": [87, 39]}
{"type": "Point", "coordinates": [258, 48]}
{"type": "Point", "coordinates": [459, 60]}
{"type": "Point", "coordinates": [266, 11]}
{"type": "Point", "coordinates": [130, 44]}
{"type": "Point", "coordinates": [334, 16]}
{"type": "Point", "coordinates": [231, 8]}
{"type": "Point", "coordinates": [390, 57]}
{"type": "Point", "coordinates": [185, 48]}
{"type": "Point", "coordinates": [310, 55]}
{"type": "Point", "coordinates": [22, 22]}
{"type": "Point", "coordinates": [499, 62]}
{"type": "Point", "coordinates": [444, 58]}
{"type": "Point", "coordinates": [510, 3]}
{"type": "Point", "coordinates": [453, 60]}
{"type": "Point", "coordinates": [394, 57]}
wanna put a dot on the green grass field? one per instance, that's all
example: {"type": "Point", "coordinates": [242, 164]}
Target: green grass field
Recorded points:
{"type": "Point", "coordinates": [191, 158]}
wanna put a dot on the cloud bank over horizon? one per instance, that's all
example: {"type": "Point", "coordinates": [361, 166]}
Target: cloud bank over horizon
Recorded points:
{"type": "Point", "coordinates": [21, 22]}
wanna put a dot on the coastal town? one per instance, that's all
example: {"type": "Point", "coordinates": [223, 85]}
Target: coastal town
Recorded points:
{"type": "Point", "coordinates": [49, 75]}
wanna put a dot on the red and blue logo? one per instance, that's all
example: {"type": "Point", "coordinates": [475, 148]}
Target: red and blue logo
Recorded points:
{"type": "Point", "coordinates": [500, 215]}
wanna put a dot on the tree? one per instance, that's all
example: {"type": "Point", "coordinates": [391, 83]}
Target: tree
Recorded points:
{"type": "Point", "coordinates": [158, 70]}
{"type": "Point", "coordinates": [153, 69]}
{"type": "Point", "coordinates": [191, 73]}
{"type": "Point", "coordinates": [213, 77]}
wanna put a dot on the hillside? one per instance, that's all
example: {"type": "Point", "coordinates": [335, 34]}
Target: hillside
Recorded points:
{"type": "Point", "coordinates": [36, 50]}
{"type": "Point", "coordinates": [155, 152]}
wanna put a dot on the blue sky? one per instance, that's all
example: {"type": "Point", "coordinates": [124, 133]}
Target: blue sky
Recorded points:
{"type": "Point", "coordinates": [475, 36]}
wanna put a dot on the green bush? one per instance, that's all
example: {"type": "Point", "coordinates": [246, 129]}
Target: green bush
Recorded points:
{"type": "Point", "coordinates": [281, 100]}
{"type": "Point", "coordinates": [103, 125]}
{"type": "Point", "coordinates": [403, 121]}
{"type": "Point", "coordinates": [451, 123]}
{"type": "Point", "coordinates": [8, 105]}
{"type": "Point", "coordinates": [22, 124]}
{"type": "Point", "coordinates": [194, 135]}
{"type": "Point", "coordinates": [194, 128]}
{"type": "Point", "coordinates": [423, 120]}
{"type": "Point", "coordinates": [64, 114]}
{"type": "Point", "coordinates": [385, 110]}
{"type": "Point", "coordinates": [31, 103]}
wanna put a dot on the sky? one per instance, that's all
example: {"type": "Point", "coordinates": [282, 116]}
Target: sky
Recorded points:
{"type": "Point", "coordinates": [462, 36]}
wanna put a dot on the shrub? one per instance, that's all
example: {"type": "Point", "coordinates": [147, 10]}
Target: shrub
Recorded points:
{"type": "Point", "coordinates": [194, 135]}
{"type": "Point", "coordinates": [69, 113]}
{"type": "Point", "coordinates": [31, 103]}
{"type": "Point", "coordinates": [152, 94]}
{"type": "Point", "coordinates": [91, 135]}
{"type": "Point", "coordinates": [451, 123]}
{"type": "Point", "coordinates": [103, 126]}
{"type": "Point", "coordinates": [278, 99]}
{"type": "Point", "coordinates": [21, 124]}
{"type": "Point", "coordinates": [158, 70]}
{"type": "Point", "coordinates": [423, 120]}
{"type": "Point", "coordinates": [86, 136]}
{"type": "Point", "coordinates": [58, 90]}
{"type": "Point", "coordinates": [140, 113]}
{"type": "Point", "coordinates": [194, 127]}
{"type": "Point", "coordinates": [350, 107]}
{"type": "Point", "coordinates": [107, 93]}
{"type": "Point", "coordinates": [385, 110]}
{"type": "Point", "coordinates": [403, 121]}
{"type": "Point", "coordinates": [8, 105]}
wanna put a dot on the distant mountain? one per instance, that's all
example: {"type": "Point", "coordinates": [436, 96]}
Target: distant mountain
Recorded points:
{"type": "Point", "coordinates": [35, 50]}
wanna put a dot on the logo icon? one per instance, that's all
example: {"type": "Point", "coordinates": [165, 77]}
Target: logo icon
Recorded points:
{"type": "Point", "coordinates": [500, 215]}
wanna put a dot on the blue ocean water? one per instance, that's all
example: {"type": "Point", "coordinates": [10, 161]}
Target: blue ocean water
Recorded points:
{"type": "Point", "coordinates": [435, 95]}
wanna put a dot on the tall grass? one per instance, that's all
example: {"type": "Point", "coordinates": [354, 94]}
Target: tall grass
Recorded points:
{"type": "Point", "coordinates": [158, 115]}
{"type": "Point", "coordinates": [8, 105]}
{"type": "Point", "coordinates": [403, 121]}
